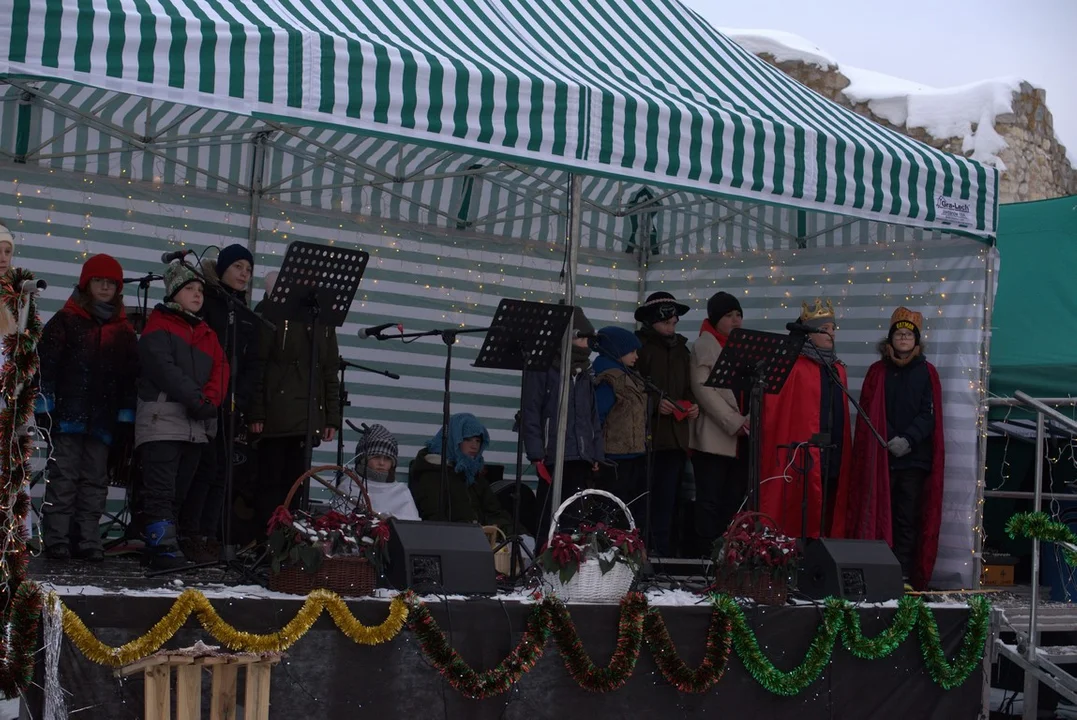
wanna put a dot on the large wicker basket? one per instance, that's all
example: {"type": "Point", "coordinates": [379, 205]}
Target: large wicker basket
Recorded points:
{"type": "Point", "coordinates": [345, 574]}
{"type": "Point", "coordinates": [763, 588]}
{"type": "Point", "coordinates": [590, 584]}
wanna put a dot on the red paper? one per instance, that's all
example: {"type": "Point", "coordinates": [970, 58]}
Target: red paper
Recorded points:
{"type": "Point", "coordinates": [680, 409]}
{"type": "Point", "coordinates": [543, 471]}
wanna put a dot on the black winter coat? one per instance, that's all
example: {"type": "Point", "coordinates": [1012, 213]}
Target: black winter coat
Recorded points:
{"type": "Point", "coordinates": [88, 371]}
{"type": "Point", "coordinates": [667, 364]}
{"type": "Point", "coordinates": [215, 309]}
{"type": "Point", "coordinates": [909, 412]}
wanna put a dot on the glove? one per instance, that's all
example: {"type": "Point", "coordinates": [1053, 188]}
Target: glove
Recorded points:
{"type": "Point", "coordinates": [205, 411]}
{"type": "Point", "coordinates": [899, 446]}
{"type": "Point", "coordinates": [543, 471]}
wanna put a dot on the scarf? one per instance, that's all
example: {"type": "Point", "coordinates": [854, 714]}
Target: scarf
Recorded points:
{"type": "Point", "coordinates": [178, 309]}
{"type": "Point", "coordinates": [818, 355]}
{"type": "Point", "coordinates": [709, 329]}
{"type": "Point", "coordinates": [581, 359]}
{"type": "Point", "coordinates": [901, 362]}
{"type": "Point", "coordinates": [461, 427]}
{"type": "Point", "coordinates": [651, 335]}
{"type": "Point", "coordinates": [103, 311]}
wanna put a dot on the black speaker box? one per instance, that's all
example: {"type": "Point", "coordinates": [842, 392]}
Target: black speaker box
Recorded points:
{"type": "Point", "coordinates": [450, 558]}
{"type": "Point", "coordinates": [851, 569]}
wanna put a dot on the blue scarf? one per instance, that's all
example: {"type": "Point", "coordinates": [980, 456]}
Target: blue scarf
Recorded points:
{"type": "Point", "coordinates": [462, 426]}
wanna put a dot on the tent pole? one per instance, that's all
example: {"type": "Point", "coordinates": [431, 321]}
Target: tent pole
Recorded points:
{"type": "Point", "coordinates": [985, 376]}
{"type": "Point", "coordinates": [257, 178]}
{"type": "Point", "coordinates": [572, 240]}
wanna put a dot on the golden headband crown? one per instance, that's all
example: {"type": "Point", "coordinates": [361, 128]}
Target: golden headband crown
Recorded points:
{"type": "Point", "coordinates": [819, 312]}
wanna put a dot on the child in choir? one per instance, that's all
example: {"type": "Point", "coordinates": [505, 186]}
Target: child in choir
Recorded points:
{"type": "Point", "coordinates": [622, 409]}
{"type": "Point", "coordinates": [375, 462]}
{"type": "Point", "coordinates": [184, 375]}
{"type": "Point", "coordinates": [89, 362]}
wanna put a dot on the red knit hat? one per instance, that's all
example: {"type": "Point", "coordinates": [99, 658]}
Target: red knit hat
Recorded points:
{"type": "Point", "coordinates": [100, 266]}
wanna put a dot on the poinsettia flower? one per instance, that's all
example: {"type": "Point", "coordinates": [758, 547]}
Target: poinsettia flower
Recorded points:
{"type": "Point", "coordinates": [281, 517]}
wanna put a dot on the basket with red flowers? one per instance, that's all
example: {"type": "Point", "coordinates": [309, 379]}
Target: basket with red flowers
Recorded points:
{"type": "Point", "coordinates": [335, 551]}
{"type": "Point", "coordinates": [595, 562]}
{"type": "Point", "coordinates": [754, 560]}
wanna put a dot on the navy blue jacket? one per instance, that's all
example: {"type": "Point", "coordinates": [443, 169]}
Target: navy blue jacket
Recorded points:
{"type": "Point", "coordinates": [910, 412]}
{"type": "Point", "coordinates": [583, 440]}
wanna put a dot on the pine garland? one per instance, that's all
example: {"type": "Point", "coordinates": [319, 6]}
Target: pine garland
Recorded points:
{"type": "Point", "coordinates": [1038, 525]}
{"type": "Point", "coordinates": [17, 656]}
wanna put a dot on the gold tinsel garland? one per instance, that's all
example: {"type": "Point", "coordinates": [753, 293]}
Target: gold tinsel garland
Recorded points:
{"type": "Point", "coordinates": [193, 601]}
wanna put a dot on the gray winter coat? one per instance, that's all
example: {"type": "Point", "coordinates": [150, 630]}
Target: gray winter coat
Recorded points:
{"type": "Point", "coordinates": [583, 441]}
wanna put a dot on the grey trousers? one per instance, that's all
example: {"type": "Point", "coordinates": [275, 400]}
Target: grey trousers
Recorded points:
{"type": "Point", "coordinates": [76, 491]}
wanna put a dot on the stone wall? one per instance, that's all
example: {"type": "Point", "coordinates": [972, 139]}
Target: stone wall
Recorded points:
{"type": "Point", "coordinates": [1036, 167]}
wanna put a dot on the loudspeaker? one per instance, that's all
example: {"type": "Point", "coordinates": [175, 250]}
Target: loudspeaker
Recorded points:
{"type": "Point", "coordinates": [850, 569]}
{"type": "Point", "coordinates": [450, 558]}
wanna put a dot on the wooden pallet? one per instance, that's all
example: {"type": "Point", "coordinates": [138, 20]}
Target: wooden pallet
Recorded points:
{"type": "Point", "coordinates": [157, 673]}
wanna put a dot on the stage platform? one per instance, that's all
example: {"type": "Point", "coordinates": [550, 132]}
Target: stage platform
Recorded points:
{"type": "Point", "coordinates": [325, 675]}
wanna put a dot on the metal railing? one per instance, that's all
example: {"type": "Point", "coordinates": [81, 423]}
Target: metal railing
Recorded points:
{"type": "Point", "coordinates": [1036, 668]}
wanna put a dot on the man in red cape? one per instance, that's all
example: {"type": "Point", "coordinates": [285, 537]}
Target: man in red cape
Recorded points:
{"type": "Point", "coordinates": [808, 404]}
{"type": "Point", "coordinates": [896, 491]}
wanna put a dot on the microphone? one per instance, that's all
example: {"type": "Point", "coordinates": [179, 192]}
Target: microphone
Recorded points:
{"type": "Point", "coordinates": [148, 278]}
{"type": "Point", "coordinates": [33, 287]}
{"type": "Point", "coordinates": [375, 331]}
{"type": "Point", "coordinates": [168, 257]}
{"type": "Point", "coordinates": [797, 327]}
{"type": "Point", "coordinates": [577, 335]}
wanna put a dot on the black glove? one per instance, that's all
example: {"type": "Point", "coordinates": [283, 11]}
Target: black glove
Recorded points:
{"type": "Point", "coordinates": [205, 411]}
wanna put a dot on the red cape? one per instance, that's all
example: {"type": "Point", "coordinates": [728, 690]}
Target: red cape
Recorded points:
{"type": "Point", "coordinates": [868, 512]}
{"type": "Point", "coordinates": [793, 416]}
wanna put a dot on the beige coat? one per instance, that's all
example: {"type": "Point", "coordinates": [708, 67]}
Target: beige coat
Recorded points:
{"type": "Point", "coordinates": [715, 430]}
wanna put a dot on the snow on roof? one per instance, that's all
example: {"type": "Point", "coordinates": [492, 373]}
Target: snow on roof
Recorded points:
{"type": "Point", "coordinates": [783, 46]}
{"type": "Point", "coordinates": [942, 112]}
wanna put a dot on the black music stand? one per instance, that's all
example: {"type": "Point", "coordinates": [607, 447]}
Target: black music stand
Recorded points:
{"type": "Point", "coordinates": [757, 362]}
{"type": "Point", "coordinates": [525, 336]}
{"type": "Point", "coordinates": [316, 285]}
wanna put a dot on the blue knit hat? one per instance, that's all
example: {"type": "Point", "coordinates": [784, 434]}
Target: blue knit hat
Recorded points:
{"type": "Point", "coordinates": [231, 254]}
{"type": "Point", "coordinates": [617, 342]}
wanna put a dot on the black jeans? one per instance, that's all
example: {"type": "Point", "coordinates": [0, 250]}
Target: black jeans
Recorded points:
{"type": "Point", "coordinates": [168, 466]}
{"type": "Point", "coordinates": [200, 513]}
{"type": "Point", "coordinates": [665, 482]}
{"type": "Point", "coordinates": [906, 487]}
{"type": "Point", "coordinates": [623, 480]}
{"type": "Point", "coordinates": [721, 485]}
{"type": "Point", "coordinates": [281, 460]}
{"type": "Point", "coordinates": [577, 476]}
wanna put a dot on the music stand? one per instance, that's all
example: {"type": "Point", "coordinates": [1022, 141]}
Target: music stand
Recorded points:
{"type": "Point", "coordinates": [316, 284]}
{"type": "Point", "coordinates": [525, 336]}
{"type": "Point", "coordinates": [758, 362]}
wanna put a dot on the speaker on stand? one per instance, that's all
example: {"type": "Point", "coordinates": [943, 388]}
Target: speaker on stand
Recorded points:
{"type": "Point", "coordinates": [857, 570]}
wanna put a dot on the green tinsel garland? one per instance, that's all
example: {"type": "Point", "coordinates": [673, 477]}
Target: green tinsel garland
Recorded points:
{"type": "Point", "coordinates": [950, 675]}
{"type": "Point", "coordinates": [629, 640]}
{"type": "Point", "coordinates": [17, 658]}
{"type": "Point", "coordinates": [1039, 525]}
{"type": "Point", "coordinates": [885, 642]}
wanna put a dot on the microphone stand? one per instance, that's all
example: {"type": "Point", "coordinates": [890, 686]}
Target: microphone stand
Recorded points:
{"type": "Point", "coordinates": [448, 336]}
{"type": "Point", "coordinates": [143, 294]}
{"type": "Point", "coordinates": [342, 366]}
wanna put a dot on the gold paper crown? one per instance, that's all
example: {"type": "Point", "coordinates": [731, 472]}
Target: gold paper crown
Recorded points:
{"type": "Point", "coordinates": [907, 319]}
{"type": "Point", "coordinates": [819, 312]}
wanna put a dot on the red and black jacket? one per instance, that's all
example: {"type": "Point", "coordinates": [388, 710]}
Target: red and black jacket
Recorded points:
{"type": "Point", "coordinates": [182, 358]}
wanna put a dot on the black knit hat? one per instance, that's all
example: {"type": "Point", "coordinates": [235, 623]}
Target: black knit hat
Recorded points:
{"type": "Point", "coordinates": [720, 305]}
{"type": "Point", "coordinates": [659, 306]}
{"type": "Point", "coordinates": [580, 323]}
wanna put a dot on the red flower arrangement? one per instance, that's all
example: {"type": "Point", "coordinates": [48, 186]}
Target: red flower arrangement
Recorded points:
{"type": "Point", "coordinates": [305, 540]}
{"type": "Point", "coordinates": [753, 546]}
{"type": "Point", "coordinates": [609, 545]}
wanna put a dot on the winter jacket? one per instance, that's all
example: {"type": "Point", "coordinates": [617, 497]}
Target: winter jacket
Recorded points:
{"type": "Point", "coordinates": [622, 406]}
{"type": "Point", "coordinates": [909, 410]}
{"type": "Point", "coordinates": [474, 503]}
{"type": "Point", "coordinates": [583, 439]}
{"type": "Point", "coordinates": [715, 430]}
{"type": "Point", "coordinates": [215, 310]}
{"type": "Point", "coordinates": [183, 381]}
{"type": "Point", "coordinates": [88, 371]}
{"type": "Point", "coordinates": [282, 386]}
{"type": "Point", "coordinates": [666, 362]}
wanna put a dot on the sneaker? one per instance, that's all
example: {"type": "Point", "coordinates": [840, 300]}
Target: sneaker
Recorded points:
{"type": "Point", "coordinates": [91, 554]}
{"type": "Point", "coordinates": [159, 560]}
{"type": "Point", "coordinates": [58, 552]}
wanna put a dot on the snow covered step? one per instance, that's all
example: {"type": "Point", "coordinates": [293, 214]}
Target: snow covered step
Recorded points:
{"type": "Point", "coordinates": [1059, 654]}
{"type": "Point", "coordinates": [1050, 619]}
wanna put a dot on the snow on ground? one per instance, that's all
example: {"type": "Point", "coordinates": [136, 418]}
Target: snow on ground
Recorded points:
{"type": "Point", "coordinates": [942, 112]}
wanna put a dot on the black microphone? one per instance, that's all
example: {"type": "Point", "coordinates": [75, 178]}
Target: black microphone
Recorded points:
{"type": "Point", "coordinates": [375, 331]}
{"type": "Point", "coordinates": [797, 327]}
{"type": "Point", "coordinates": [148, 278]}
{"type": "Point", "coordinates": [168, 257]}
{"type": "Point", "coordinates": [32, 287]}
{"type": "Point", "coordinates": [577, 335]}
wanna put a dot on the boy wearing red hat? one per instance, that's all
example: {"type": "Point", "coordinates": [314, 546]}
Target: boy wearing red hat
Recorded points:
{"type": "Point", "coordinates": [89, 361]}
{"type": "Point", "coordinates": [896, 492]}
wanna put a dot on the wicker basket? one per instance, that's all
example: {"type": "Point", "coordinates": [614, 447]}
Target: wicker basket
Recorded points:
{"type": "Point", "coordinates": [345, 574]}
{"type": "Point", "coordinates": [763, 588]}
{"type": "Point", "coordinates": [590, 584]}
{"type": "Point", "coordinates": [502, 557]}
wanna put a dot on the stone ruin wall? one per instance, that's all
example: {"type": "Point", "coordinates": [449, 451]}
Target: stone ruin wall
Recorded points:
{"type": "Point", "coordinates": [1036, 163]}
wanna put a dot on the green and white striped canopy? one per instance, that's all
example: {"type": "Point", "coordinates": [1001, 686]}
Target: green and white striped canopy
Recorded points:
{"type": "Point", "coordinates": [467, 114]}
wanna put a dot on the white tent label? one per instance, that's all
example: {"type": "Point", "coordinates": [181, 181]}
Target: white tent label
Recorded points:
{"type": "Point", "coordinates": [956, 211]}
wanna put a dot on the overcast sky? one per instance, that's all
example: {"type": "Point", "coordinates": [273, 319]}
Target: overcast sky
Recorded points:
{"type": "Point", "coordinates": [939, 44]}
